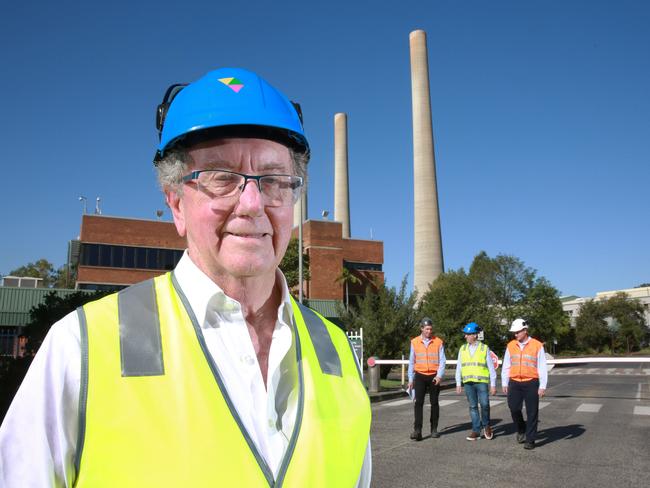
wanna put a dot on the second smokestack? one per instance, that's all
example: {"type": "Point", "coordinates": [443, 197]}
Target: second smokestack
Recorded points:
{"type": "Point", "coordinates": [341, 184]}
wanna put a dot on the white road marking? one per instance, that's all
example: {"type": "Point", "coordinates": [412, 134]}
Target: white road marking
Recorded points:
{"type": "Point", "coordinates": [639, 410]}
{"type": "Point", "coordinates": [444, 403]}
{"type": "Point", "coordinates": [543, 404]}
{"type": "Point", "coordinates": [589, 407]}
{"type": "Point", "coordinates": [406, 401]}
{"type": "Point", "coordinates": [395, 403]}
{"type": "Point", "coordinates": [600, 371]}
{"type": "Point", "coordinates": [494, 403]}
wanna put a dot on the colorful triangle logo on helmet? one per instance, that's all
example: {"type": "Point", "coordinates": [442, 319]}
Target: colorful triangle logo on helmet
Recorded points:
{"type": "Point", "coordinates": [233, 83]}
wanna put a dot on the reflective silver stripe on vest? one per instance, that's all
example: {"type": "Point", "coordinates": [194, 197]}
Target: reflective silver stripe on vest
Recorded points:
{"type": "Point", "coordinates": [329, 360]}
{"type": "Point", "coordinates": [474, 377]}
{"type": "Point", "coordinates": [140, 341]}
{"type": "Point", "coordinates": [83, 388]}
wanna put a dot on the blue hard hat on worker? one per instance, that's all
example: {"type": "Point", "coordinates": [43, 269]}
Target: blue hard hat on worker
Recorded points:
{"type": "Point", "coordinates": [228, 102]}
{"type": "Point", "coordinates": [472, 328]}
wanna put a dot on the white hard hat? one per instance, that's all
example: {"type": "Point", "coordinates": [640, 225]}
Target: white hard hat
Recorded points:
{"type": "Point", "coordinates": [518, 324]}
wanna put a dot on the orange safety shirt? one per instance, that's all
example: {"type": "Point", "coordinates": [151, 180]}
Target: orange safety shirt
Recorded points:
{"type": "Point", "coordinates": [426, 356]}
{"type": "Point", "coordinates": [523, 362]}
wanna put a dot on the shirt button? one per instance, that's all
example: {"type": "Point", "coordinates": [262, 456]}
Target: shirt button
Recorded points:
{"type": "Point", "coordinates": [247, 360]}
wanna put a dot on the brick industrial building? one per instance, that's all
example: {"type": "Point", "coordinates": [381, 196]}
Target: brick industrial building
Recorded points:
{"type": "Point", "coordinates": [329, 253]}
{"type": "Point", "coordinates": [115, 252]}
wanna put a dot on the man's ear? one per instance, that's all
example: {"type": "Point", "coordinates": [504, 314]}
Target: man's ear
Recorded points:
{"type": "Point", "coordinates": [175, 203]}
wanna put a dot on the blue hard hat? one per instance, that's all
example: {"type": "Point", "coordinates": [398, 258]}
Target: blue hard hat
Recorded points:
{"type": "Point", "coordinates": [472, 328]}
{"type": "Point", "coordinates": [228, 102]}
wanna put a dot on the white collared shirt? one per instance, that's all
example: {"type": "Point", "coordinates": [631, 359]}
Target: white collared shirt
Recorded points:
{"type": "Point", "coordinates": [228, 340]}
{"type": "Point", "coordinates": [38, 437]}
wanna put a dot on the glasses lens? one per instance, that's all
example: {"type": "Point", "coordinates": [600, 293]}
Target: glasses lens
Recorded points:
{"type": "Point", "coordinates": [280, 190]}
{"type": "Point", "coordinates": [220, 183]}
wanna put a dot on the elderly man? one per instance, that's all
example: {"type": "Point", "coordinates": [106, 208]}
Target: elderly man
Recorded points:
{"type": "Point", "coordinates": [211, 375]}
{"type": "Point", "coordinates": [523, 378]}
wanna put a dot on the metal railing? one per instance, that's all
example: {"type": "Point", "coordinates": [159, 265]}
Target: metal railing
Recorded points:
{"type": "Point", "coordinates": [373, 370]}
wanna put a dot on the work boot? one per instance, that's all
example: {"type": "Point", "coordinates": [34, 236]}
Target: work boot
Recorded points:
{"type": "Point", "coordinates": [416, 435]}
{"type": "Point", "coordinates": [521, 437]}
{"type": "Point", "coordinates": [473, 436]}
{"type": "Point", "coordinates": [487, 432]}
{"type": "Point", "coordinates": [434, 433]}
{"type": "Point", "coordinates": [529, 445]}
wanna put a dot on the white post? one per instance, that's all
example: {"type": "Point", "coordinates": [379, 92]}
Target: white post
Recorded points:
{"type": "Point", "coordinates": [300, 255]}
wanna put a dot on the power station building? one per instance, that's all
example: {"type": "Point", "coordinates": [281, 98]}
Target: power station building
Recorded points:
{"type": "Point", "coordinates": [115, 252]}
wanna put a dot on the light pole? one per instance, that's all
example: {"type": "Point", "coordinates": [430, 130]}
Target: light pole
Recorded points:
{"type": "Point", "coordinates": [85, 200]}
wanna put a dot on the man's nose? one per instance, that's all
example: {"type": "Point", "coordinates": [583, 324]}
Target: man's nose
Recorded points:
{"type": "Point", "coordinates": [251, 199]}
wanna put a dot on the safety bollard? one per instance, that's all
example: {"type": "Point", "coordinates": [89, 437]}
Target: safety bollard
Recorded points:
{"type": "Point", "coordinates": [373, 376]}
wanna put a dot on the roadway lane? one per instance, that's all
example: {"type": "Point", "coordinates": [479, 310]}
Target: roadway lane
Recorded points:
{"type": "Point", "coordinates": [594, 432]}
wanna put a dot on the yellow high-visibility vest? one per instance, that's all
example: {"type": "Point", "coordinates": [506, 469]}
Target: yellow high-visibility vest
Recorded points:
{"type": "Point", "coordinates": [474, 369]}
{"type": "Point", "coordinates": [154, 411]}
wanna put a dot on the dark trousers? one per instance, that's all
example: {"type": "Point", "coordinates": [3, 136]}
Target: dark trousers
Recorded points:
{"type": "Point", "coordinates": [423, 383]}
{"type": "Point", "coordinates": [520, 392]}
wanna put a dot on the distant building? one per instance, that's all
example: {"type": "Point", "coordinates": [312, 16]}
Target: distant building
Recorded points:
{"type": "Point", "coordinates": [329, 253]}
{"type": "Point", "coordinates": [15, 306]}
{"type": "Point", "coordinates": [571, 304]}
{"type": "Point", "coordinates": [114, 252]}
{"type": "Point", "coordinates": [22, 281]}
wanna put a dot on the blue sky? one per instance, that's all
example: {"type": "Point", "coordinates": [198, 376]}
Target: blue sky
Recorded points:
{"type": "Point", "coordinates": [541, 115]}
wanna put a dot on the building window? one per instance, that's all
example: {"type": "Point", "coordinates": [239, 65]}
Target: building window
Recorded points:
{"type": "Point", "coordinates": [7, 340]}
{"type": "Point", "coordinates": [112, 256]}
{"type": "Point", "coordinates": [362, 266]}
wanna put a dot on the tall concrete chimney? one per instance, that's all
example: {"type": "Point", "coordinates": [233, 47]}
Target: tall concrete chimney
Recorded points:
{"type": "Point", "coordinates": [428, 239]}
{"type": "Point", "coordinates": [341, 187]}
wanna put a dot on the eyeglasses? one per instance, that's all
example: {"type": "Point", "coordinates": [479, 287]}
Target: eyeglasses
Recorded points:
{"type": "Point", "coordinates": [276, 190]}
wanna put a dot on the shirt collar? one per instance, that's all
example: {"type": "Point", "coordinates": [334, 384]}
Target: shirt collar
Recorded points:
{"type": "Point", "coordinates": [203, 294]}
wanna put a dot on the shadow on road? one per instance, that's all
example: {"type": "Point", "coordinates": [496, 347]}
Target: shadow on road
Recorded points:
{"type": "Point", "coordinates": [563, 432]}
{"type": "Point", "coordinates": [467, 426]}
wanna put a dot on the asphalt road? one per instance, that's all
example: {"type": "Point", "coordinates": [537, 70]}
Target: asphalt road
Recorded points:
{"type": "Point", "coordinates": [594, 431]}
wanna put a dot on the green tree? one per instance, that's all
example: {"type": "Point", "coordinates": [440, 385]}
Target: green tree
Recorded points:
{"type": "Point", "coordinates": [628, 316]}
{"type": "Point", "coordinates": [591, 326]}
{"type": "Point", "coordinates": [388, 317]}
{"type": "Point", "coordinates": [52, 309]}
{"type": "Point", "coordinates": [493, 293]}
{"type": "Point", "coordinates": [289, 264]}
{"type": "Point", "coordinates": [542, 308]}
{"type": "Point", "coordinates": [42, 317]}
{"type": "Point", "coordinates": [63, 278]}
{"type": "Point", "coordinates": [451, 301]}
{"type": "Point", "coordinates": [39, 269]}
{"type": "Point", "coordinates": [504, 282]}
{"type": "Point", "coordinates": [347, 277]}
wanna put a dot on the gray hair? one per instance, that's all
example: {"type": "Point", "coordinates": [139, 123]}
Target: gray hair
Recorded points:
{"type": "Point", "coordinates": [175, 164]}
